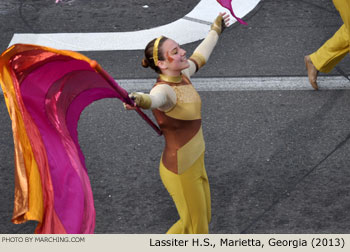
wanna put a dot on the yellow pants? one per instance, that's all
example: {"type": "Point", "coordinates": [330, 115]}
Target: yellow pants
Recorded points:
{"type": "Point", "coordinates": [191, 194]}
{"type": "Point", "coordinates": [335, 49]}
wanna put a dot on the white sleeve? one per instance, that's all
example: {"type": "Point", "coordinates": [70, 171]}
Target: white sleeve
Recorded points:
{"type": "Point", "coordinates": [202, 53]}
{"type": "Point", "coordinates": [207, 46]}
{"type": "Point", "coordinates": [163, 97]}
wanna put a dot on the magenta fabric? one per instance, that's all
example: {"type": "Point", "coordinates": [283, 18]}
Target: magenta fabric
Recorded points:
{"type": "Point", "coordinates": [73, 201]}
{"type": "Point", "coordinates": [125, 98]}
{"type": "Point", "coordinates": [55, 87]}
{"type": "Point", "coordinates": [55, 94]}
{"type": "Point", "coordinates": [228, 5]}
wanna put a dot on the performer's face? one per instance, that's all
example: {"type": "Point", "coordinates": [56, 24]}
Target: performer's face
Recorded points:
{"type": "Point", "coordinates": [175, 56]}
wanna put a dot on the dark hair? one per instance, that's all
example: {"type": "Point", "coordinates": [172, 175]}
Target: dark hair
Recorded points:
{"type": "Point", "coordinates": [148, 60]}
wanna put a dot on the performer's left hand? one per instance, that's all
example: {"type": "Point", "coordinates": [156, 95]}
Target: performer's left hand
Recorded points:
{"type": "Point", "coordinates": [220, 23]}
{"type": "Point", "coordinates": [226, 18]}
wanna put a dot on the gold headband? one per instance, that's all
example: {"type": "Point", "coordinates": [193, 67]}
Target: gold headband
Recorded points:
{"type": "Point", "coordinates": [155, 50]}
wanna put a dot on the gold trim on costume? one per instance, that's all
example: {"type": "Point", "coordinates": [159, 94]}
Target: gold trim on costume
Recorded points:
{"type": "Point", "coordinates": [155, 50]}
{"type": "Point", "coordinates": [217, 25]}
{"type": "Point", "coordinates": [145, 101]}
{"type": "Point", "coordinates": [198, 58]}
{"type": "Point", "coordinates": [167, 78]}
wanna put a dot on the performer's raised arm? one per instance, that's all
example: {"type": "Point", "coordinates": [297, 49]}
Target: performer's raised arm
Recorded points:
{"type": "Point", "coordinates": [202, 53]}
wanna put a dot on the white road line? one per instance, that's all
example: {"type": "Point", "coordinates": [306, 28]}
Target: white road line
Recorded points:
{"type": "Point", "coordinates": [183, 31]}
{"type": "Point", "coordinates": [245, 83]}
{"type": "Point", "coordinates": [197, 20]}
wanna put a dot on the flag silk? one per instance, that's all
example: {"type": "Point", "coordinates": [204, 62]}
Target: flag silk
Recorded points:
{"type": "Point", "coordinates": [45, 91]}
{"type": "Point", "coordinates": [228, 5]}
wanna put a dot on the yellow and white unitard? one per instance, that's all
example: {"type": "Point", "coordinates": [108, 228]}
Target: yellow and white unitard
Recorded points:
{"type": "Point", "coordinates": [176, 106]}
{"type": "Point", "coordinates": [334, 49]}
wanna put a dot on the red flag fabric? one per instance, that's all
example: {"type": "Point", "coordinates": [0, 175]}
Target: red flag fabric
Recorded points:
{"type": "Point", "coordinates": [228, 5]}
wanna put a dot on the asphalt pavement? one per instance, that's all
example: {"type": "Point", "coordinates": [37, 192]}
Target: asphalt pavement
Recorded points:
{"type": "Point", "coordinates": [277, 160]}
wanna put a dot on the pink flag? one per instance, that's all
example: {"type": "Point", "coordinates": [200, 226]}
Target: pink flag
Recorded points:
{"type": "Point", "coordinates": [227, 4]}
{"type": "Point", "coordinates": [45, 91]}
